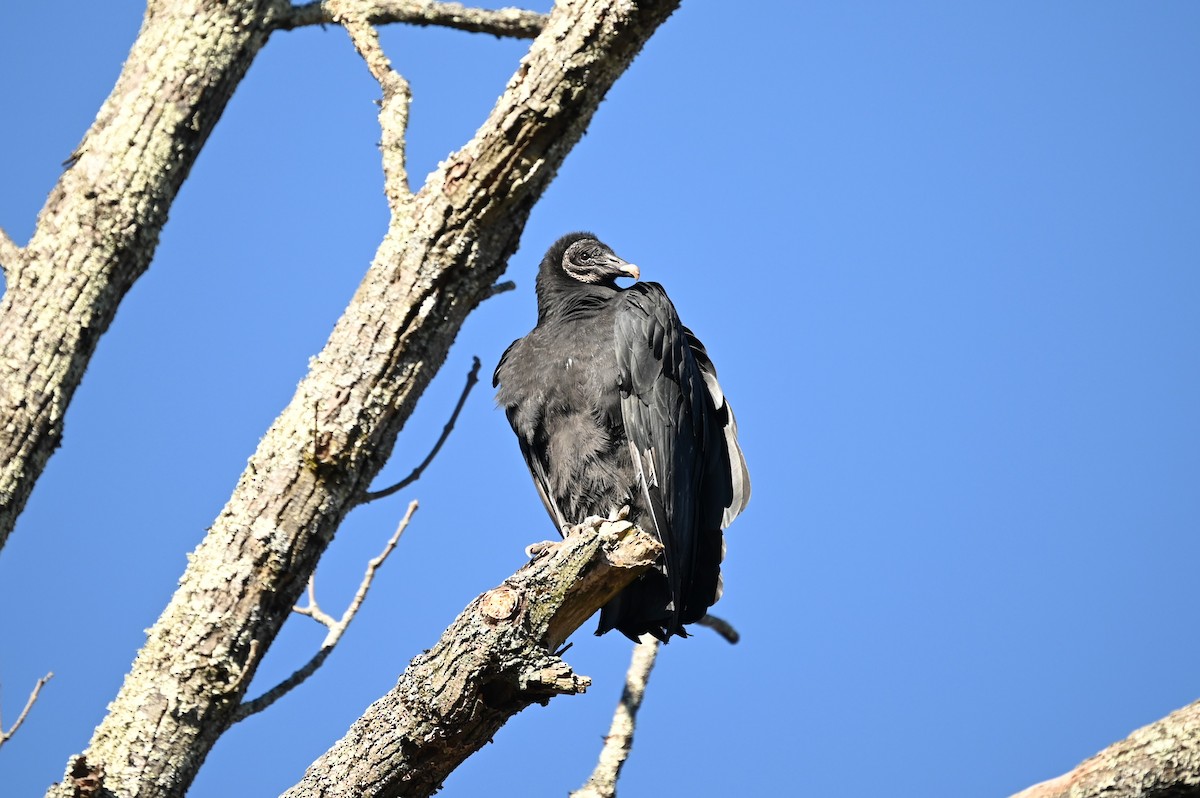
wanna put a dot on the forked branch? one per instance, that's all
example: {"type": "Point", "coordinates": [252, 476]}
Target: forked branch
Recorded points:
{"type": "Point", "coordinates": [433, 266]}
{"type": "Point", "coordinates": [514, 22]}
{"type": "Point", "coordinates": [336, 627]}
{"type": "Point", "coordinates": [393, 109]}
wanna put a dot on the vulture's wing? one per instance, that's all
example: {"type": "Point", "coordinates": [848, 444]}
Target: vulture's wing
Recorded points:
{"type": "Point", "coordinates": [524, 424]}
{"type": "Point", "coordinates": [543, 485]}
{"type": "Point", "coordinates": [723, 413]}
{"type": "Point", "coordinates": [674, 415]}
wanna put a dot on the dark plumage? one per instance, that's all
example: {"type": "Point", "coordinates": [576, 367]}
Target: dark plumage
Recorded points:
{"type": "Point", "coordinates": [616, 403]}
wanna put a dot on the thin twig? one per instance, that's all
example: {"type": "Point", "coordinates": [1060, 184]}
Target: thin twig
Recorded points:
{"type": "Point", "coordinates": [472, 378]}
{"type": "Point", "coordinates": [369, 576]}
{"type": "Point", "coordinates": [721, 626]}
{"type": "Point", "coordinates": [393, 110]}
{"type": "Point", "coordinates": [515, 22]}
{"type": "Point", "coordinates": [617, 745]}
{"type": "Point", "coordinates": [5, 736]}
{"type": "Point", "coordinates": [336, 628]}
{"type": "Point", "coordinates": [313, 610]}
{"type": "Point", "coordinates": [500, 288]}
{"type": "Point", "coordinates": [10, 255]}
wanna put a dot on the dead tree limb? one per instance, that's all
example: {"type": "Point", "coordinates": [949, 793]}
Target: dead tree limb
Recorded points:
{"type": "Point", "coordinates": [6, 734]}
{"type": "Point", "coordinates": [336, 627]}
{"type": "Point", "coordinates": [722, 627]}
{"type": "Point", "coordinates": [100, 225]}
{"type": "Point", "coordinates": [495, 659]}
{"type": "Point", "coordinates": [514, 22]}
{"type": "Point", "coordinates": [99, 228]}
{"type": "Point", "coordinates": [393, 109]}
{"type": "Point", "coordinates": [1156, 761]}
{"type": "Point", "coordinates": [472, 378]}
{"type": "Point", "coordinates": [441, 256]}
{"type": "Point", "coordinates": [619, 742]}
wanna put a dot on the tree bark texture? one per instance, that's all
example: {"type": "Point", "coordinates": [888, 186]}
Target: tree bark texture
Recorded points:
{"type": "Point", "coordinates": [444, 249]}
{"type": "Point", "coordinates": [100, 225]}
{"type": "Point", "coordinates": [1161, 760]}
{"type": "Point", "coordinates": [495, 659]}
{"type": "Point", "coordinates": [500, 22]}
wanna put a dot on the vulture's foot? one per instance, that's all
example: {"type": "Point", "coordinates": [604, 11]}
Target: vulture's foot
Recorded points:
{"type": "Point", "coordinates": [540, 549]}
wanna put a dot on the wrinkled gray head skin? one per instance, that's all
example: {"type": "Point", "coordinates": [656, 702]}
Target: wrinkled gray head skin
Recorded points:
{"type": "Point", "coordinates": [591, 261]}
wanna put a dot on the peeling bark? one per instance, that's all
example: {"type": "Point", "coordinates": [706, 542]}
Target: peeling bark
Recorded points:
{"type": "Point", "coordinates": [441, 255]}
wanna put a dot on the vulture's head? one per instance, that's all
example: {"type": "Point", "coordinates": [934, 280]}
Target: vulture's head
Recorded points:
{"type": "Point", "coordinates": [585, 258]}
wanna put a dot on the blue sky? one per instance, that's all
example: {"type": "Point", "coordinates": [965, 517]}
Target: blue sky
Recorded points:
{"type": "Point", "coordinates": [945, 258]}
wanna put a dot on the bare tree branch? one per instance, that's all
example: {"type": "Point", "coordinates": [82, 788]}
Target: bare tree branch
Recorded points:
{"type": "Point", "coordinates": [10, 255]}
{"type": "Point", "coordinates": [722, 627]}
{"type": "Point", "coordinates": [617, 745]}
{"type": "Point", "coordinates": [500, 288]}
{"type": "Point", "coordinates": [5, 736]}
{"type": "Point", "coordinates": [514, 22]}
{"type": "Point", "coordinates": [1162, 759]}
{"type": "Point", "coordinates": [393, 111]}
{"type": "Point", "coordinates": [493, 661]}
{"type": "Point", "coordinates": [99, 228]}
{"type": "Point", "coordinates": [472, 378]}
{"type": "Point", "coordinates": [436, 263]}
{"type": "Point", "coordinates": [336, 628]}
{"type": "Point", "coordinates": [619, 742]}
{"type": "Point", "coordinates": [312, 609]}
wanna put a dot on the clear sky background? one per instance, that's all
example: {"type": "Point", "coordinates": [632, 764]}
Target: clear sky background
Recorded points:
{"type": "Point", "coordinates": [946, 258]}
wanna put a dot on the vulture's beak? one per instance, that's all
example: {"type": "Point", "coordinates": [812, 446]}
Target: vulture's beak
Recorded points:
{"type": "Point", "coordinates": [627, 269]}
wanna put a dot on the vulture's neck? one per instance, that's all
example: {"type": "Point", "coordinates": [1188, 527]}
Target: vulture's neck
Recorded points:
{"type": "Point", "coordinates": [563, 298]}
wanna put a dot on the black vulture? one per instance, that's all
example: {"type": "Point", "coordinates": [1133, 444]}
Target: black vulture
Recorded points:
{"type": "Point", "coordinates": [615, 403]}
